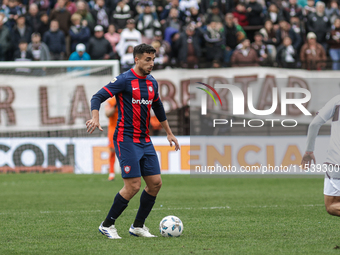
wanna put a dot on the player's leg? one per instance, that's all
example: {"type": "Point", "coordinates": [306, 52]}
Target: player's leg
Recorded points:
{"type": "Point", "coordinates": [332, 205]}
{"type": "Point", "coordinates": [112, 164]}
{"type": "Point", "coordinates": [151, 174]}
{"type": "Point", "coordinates": [129, 162]}
{"type": "Point", "coordinates": [332, 195]}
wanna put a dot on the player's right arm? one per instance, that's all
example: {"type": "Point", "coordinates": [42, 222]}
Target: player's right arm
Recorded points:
{"type": "Point", "coordinates": [117, 85]}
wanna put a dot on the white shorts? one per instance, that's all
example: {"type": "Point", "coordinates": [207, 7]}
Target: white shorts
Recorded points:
{"type": "Point", "coordinates": [331, 187]}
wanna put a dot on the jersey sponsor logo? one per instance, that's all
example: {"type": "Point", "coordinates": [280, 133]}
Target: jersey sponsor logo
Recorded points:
{"type": "Point", "coordinates": [127, 169]}
{"type": "Point", "coordinates": [141, 101]}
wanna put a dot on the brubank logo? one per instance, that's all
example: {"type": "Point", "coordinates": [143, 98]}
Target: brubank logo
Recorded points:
{"type": "Point", "coordinates": [238, 105]}
{"type": "Point", "coordinates": [141, 101]}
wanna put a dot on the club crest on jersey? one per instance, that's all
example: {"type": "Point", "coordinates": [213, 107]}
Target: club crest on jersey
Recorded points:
{"type": "Point", "coordinates": [127, 169]}
{"type": "Point", "coordinates": [150, 88]}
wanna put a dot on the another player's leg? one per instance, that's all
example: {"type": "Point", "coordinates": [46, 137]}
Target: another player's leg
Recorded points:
{"type": "Point", "coordinates": [147, 200]}
{"type": "Point", "coordinates": [332, 205]}
{"type": "Point", "coordinates": [131, 187]}
{"type": "Point", "coordinates": [332, 195]}
{"type": "Point", "coordinates": [112, 164]}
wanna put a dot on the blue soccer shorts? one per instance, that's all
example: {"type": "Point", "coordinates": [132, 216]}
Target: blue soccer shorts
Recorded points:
{"type": "Point", "coordinates": [137, 159]}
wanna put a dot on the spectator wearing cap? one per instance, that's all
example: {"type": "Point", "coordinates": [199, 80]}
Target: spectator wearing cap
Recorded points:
{"type": "Point", "coordinates": [214, 43]}
{"type": "Point", "coordinates": [38, 48]}
{"type": "Point", "coordinates": [121, 15]}
{"type": "Point", "coordinates": [254, 13]}
{"type": "Point", "coordinates": [22, 53]}
{"type": "Point", "coordinates": [244, 56]}
{"type": "Point", "coordinates": [240, 13]}
{"type": "Point", "coordinates": [112, 37]}
{"type": "Point", "coordinates": [286, 54]}
{"type": "Point", "coordinates": [98, 47]}
{"type": "Point", "coordinates": [312, 54]}
{"type": "Point", "coordinates": [55, 41]}
{"type": "Point", "coordinates": [147, 22]}
{"type": "Point", "coordinates": [292, 10]}
{"type": "Point", "coordinates": [79, 31]}
{"type": "Point", "coordinates": [101, 14]}
{"type": "Point", "coordinates": [215, 15]}
{"type": "Point", "coordinates": [265, 59]}
{"type": "Point", "coordinates": [62, 15]}
{"type": "Point", "coordinates": [334, 44]}
{"type": "Point", "coordinates": [80, 53]}
{"type": "Point", "coordinates": [187, 47]}
{"type": "Point", "coordinates": [319, 24]}
{"type": "Point", "coordinates": [129, 34]}
{"type": "Point", "coordinates": [21, 31]}
{"type": "Point", "coordinates": [33, 18]}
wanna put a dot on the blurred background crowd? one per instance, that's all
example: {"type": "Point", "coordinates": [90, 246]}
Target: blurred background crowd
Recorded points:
{"type": "Point", "coordinates": [185, 33]}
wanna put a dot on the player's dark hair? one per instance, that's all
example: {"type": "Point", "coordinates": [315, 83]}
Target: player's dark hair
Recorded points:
{"type": "Point", "coordinates": [143, 48]}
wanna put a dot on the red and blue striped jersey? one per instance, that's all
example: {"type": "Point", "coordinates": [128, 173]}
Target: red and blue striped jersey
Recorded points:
{"type": "Point", "coordinates": [135, 95]}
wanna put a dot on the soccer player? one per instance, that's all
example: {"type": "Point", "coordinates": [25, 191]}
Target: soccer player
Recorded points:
{"type": "Point", "coordinates": [112, 113]}
{"type": "Point", "coordinates": [136, 93]}
{"type": "Point", "coordinates": [332, 175]}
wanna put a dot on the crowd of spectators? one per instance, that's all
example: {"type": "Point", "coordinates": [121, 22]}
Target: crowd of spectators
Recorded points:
{"type": "Point", "coordinates": [185, 33]}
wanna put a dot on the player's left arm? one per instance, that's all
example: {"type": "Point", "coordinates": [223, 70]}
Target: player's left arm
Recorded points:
{"type": "Point", "coordinates": [158, 109]}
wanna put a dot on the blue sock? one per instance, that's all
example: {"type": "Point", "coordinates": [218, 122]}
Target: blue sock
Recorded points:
{"type": "Point", "coordinates": [118, 206]}
{"type": "Point", "coordinates": [146, 203]}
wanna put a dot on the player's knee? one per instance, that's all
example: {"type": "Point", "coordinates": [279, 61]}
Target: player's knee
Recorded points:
{"type": "Point", "coordinates": [157, 185]}
{"type": "Point", "coordinates": [135, 187]}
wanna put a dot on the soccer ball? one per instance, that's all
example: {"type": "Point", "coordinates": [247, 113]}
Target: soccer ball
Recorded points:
{"type": "Point", "coordinates": [171, 226]}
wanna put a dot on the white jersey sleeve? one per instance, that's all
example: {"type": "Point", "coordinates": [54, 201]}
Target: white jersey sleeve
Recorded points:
{"type": "Point", "coordinates": [329, 109]}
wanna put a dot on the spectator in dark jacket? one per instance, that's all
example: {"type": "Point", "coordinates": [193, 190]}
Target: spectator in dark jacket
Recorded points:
{"type": "Point", "coordinates": [286, 54]}
{"type": "Point", "coordinates": [120, 16]}
{"type": "Point", "coordinates": [21, 31]}
{"type": "Point", "coordinates": [147, 22]}
{"type": "Point", "coordinates": [62, 15]}
{"type": "Point", "coordinates": [55, 41]}
{"type": "Point", "coordinates": [215, 14]}
{"type": "Point", "coordinates": [334, 45]}
{"type": "Point", "coordinates": [79, 33]}
{"type": "Point", "coordinates": [44, 25]}
{"type": "Point", "coordinates": [292, 10]}
{"type": "Point", "coordinates": [188, 48]}
{"type": "Point", "coordinates": [312, 54]}
{"type": "Point", "coordinates": [319, 23]}
{"type": "Point", "coordinates": [273, 14]}
{"type": "Point", "coordinates": [254, 13]}
{"type": "Point", "coordinates": [32, 18]}
{"type": "Point", "coordinates": [286, 30]}
{"type": "Point", "coordinates": [5, 39]}
{"type": "Point", "coordinates": [22, 53]}
{"type": "Point", "coordinates": [214, 41]}
{"type": "Point", "coordinates": [101, 14]}
{"type": "Point", "coordinates": [230, 35]}
{"type": "Point", "coordinates": [98, 47]}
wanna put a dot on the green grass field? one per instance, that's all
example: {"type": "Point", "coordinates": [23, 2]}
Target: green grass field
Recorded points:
{"type": "Point", "coordinates": [60, 214]}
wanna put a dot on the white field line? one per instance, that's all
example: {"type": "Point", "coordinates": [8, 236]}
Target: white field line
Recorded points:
{"type": "Point", "coordinates": [175, 208]}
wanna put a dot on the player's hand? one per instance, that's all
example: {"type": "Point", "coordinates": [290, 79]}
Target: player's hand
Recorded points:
{"type": "Point", "coordinates": [307, 159]}
{"type": "Point", "coordinates": [172, 139]}
{"type": "Point", "coordinates": [92, 125]}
